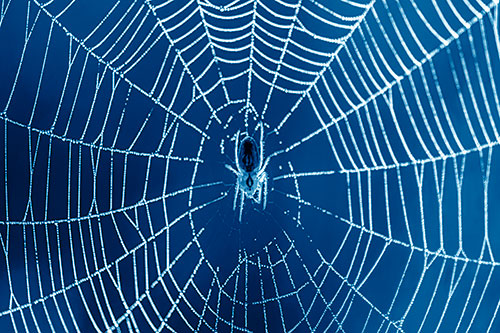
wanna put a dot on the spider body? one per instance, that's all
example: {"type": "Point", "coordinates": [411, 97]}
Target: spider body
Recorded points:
{"type": "Point", "coordinates": [251, 178]}
{"type": "Point", "coordinates": [248, 154]}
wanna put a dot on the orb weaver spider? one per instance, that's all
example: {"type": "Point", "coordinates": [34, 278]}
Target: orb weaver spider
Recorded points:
{"type": "Point", "coordinates": [251, 176]}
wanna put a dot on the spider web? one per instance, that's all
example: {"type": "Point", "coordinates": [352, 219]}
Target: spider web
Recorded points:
{"type": "Point", "coordinates": [381, 120]}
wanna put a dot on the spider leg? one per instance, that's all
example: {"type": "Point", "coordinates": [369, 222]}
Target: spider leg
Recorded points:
{"type": "Point", "coordinates": [236, 146]}
{"type": "Point", "coordinates": [230, 168]}
{"type": "Point", "coordinates": [262, 169]}
{"type": "Point", "coordinates": [259, 194]}
{"type": "Point", "coordinates": [261, 157]}
{"type": "Point", "coordinates": [237, 191]}
{"type": "Point", "coordinates": [242, 202]}
{"type": "Point", "coordinates": [265, 190]}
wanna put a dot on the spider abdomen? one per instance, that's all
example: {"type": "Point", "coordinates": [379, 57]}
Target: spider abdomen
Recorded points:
{"type": "Point", "coordinates": [248, 154]}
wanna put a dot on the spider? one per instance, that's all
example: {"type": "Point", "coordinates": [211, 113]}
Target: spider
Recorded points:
{"type": "Point", "coordinates": [251, 176]}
